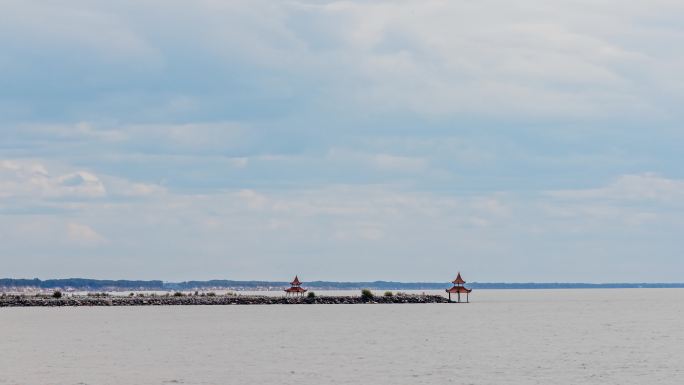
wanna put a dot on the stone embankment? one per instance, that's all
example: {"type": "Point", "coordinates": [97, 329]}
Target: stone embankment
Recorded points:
{"type": "Point", "coordinates": [37, 301]}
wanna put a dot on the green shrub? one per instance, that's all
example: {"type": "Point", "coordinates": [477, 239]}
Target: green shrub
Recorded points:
{"type": "Point", "coordinates": [388, 294]}
{"type": "Point", "coordinates": [311, 295]}
{"type": "Point", "coordinates": [178, 294]}
{"type": "Point", "coordinates": [366, 294]}
{"type": "Point", "coordinates": [211, 294]}
{"type": "Point", "coordinates": [57, 294]}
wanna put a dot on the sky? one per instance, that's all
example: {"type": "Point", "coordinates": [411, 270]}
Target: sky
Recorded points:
{"type": "Point", "coordinates": [396, 140]}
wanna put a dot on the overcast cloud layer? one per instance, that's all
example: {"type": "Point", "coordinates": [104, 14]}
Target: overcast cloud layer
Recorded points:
{"type": "Point", "coordinates": [350, 140]}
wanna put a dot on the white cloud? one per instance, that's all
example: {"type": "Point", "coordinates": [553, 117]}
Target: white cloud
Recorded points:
{"type": "Point", "coordinates": [71, 26]}
{"type": "Point", "coordinates": [125, 188]}
{"type": "Point", "coordinates": [84, 235]}
{"type": "Point", "coordinates": [493, 58]}
{"type": "Point", "coordinates": [648, 187]}
{"type": "Point", "coordinates": [400, 163]}
{"type": "Point", "coordinates": [379, 161]}
{"type": "Point", "coordinates": [240, 162]}
{"type": "Point", "coordinates": [30, 180]}
{"type": "Point", "coordinates": [195, 136]}
{"type": "Point", "coordinates": [432, 57]}
{"type": "Point", "coordinates": [334, 228]}
{"type": "Point", "coordinates": [253, 199]}
{"type": "Point", "coordinates": [159, 137]}
{"type": "Point", "coordinates": [376, 204]}
{"type": "Point", "coordinates": [79, 184]}
{"type": "Point", "coordinates": [82, 131]}
{"type": "Point", "coordinates": [628, 200]}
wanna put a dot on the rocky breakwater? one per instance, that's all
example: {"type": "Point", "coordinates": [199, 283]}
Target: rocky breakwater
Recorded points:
{"type": "Point", "coordinates": [148, 300]}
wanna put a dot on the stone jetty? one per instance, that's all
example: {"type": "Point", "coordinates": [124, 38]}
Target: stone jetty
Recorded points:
{"type": "Point", "coordinates": [163, 300]}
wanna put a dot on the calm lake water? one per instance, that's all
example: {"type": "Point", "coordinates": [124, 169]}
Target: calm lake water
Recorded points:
{"type": "Point", "coordinates": [630, 336]}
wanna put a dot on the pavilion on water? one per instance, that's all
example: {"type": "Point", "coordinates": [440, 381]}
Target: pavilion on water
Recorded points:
{"type": "Point", "coordinates": [459, 288]}
{"type": "Point", "coordinates": [295, 288]}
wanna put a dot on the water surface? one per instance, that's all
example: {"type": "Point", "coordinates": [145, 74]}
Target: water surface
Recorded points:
{"type": "Point", "coordinates": [626, 336]}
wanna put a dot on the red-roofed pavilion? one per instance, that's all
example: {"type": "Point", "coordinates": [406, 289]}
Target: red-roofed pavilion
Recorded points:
{"type": "Point", "coordinates": [295, 288]}
{"type": "Point", "coordinates": [458, 288]}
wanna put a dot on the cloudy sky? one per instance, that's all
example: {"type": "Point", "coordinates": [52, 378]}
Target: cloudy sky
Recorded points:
{"type": "Point", "coordinates": [517, 141]}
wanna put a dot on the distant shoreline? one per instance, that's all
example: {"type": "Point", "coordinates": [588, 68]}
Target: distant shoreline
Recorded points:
{"type": "Point", "coordinates": [81, 284]}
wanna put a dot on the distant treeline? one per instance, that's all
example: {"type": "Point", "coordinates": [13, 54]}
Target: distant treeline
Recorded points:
{"type": "Point", "coordinates": [106, 285]}
{"type": "Point", "coordinates": [82, 284]}
{"type": "Point", "coordinates": [570, 285]}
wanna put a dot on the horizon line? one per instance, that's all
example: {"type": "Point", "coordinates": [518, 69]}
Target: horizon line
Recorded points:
{"type": "Point", "coordinates": [343, 281]}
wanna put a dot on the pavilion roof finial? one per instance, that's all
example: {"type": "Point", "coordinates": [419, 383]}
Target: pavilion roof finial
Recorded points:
{"type": "Point", "coordinates": [459, 280]}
